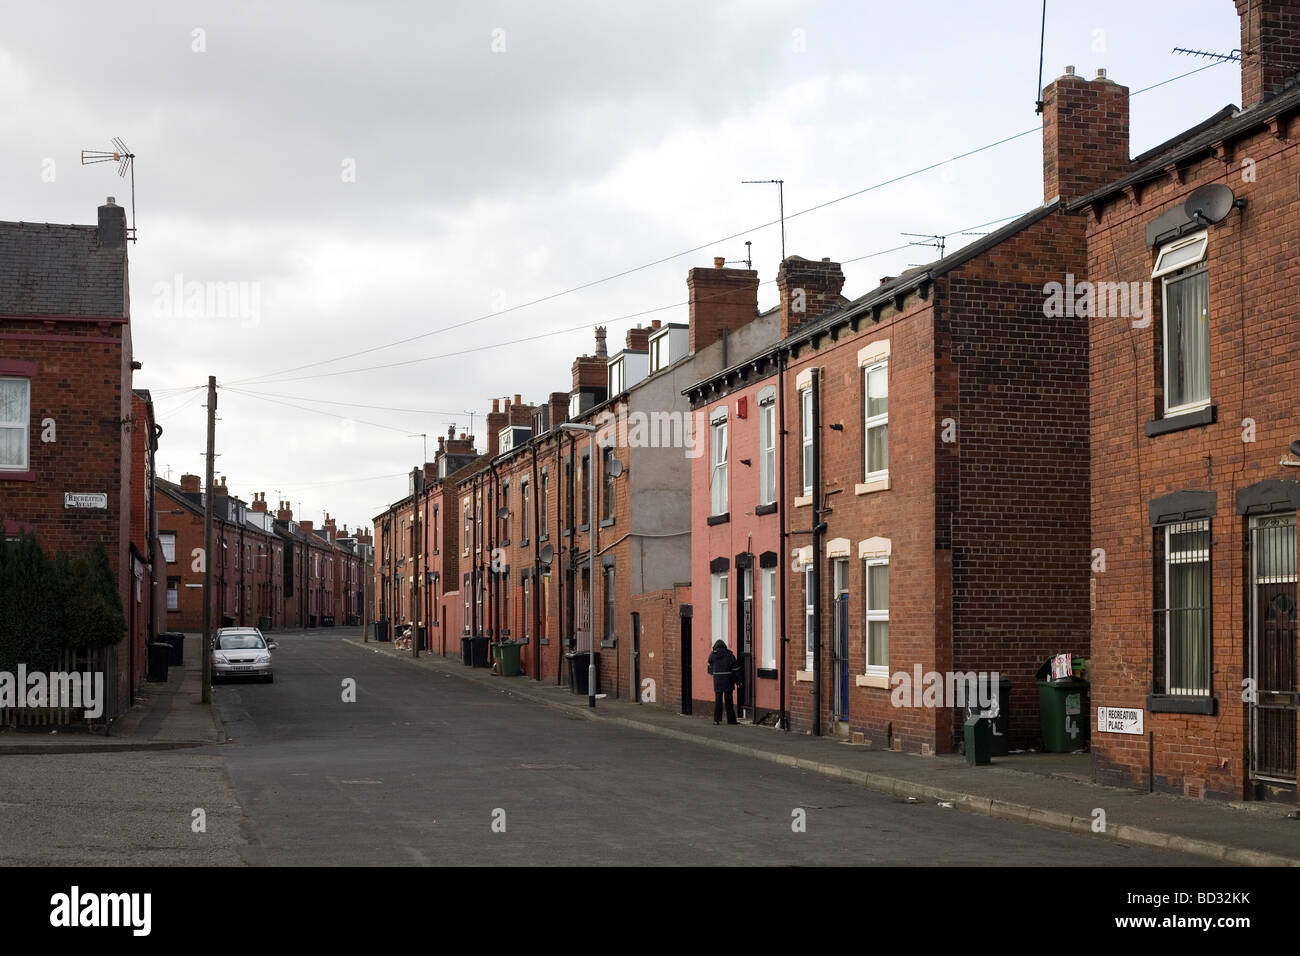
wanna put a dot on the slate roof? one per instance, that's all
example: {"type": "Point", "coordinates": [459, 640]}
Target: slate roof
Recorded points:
{"type": "Point", "coordinates": [48, 269]}
{"type": "Point", "coordinates": [1226, 124]}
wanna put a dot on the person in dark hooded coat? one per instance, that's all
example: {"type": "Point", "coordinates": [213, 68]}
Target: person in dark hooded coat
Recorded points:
{"type": "Point", "coordinates": [723, 666]}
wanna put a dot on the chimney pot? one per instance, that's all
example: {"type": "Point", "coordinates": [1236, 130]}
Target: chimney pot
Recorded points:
{"type": "Point", "coordinates": [1069, 71]}
{"type": "Point", "coordinates": [719, 262]}
{"type": "Point", "coordinates": [601, 350]}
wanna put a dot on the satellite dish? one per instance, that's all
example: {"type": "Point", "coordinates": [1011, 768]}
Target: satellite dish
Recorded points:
{"type": "Point", "coordinates": [547, 554]}
{"type": "Point", "coordinates": [614, 468]}
{"type": "Point", "coordinates": [503, 512]}
{"type": "Point", "coordinates": [1209, 204]}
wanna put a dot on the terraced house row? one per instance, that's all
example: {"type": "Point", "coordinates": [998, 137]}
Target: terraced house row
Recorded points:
{"type": "Point", "coordinates": [1073, 436]}
{"type": "Point", "coordinates": [268, 570]}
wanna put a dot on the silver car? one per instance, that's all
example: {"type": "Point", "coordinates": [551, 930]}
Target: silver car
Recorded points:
{"type": "Point", "coordinates": [241, 652]}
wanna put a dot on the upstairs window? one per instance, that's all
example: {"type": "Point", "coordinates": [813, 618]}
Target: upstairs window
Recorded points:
{"type": "Point", "coordinates": [718, 473]}
{"type": "Point", "coordinates": [767, 451]}
{"type": "Point", "coordinates": [876, 418]}
{"type": "Point", "coordinates": [607, 459]}
{"type": "Point", "coordinates": [1185, 297]}
{"type": "Point", "coordinates": [168, 541]}
{"type": "Point", "coordinates": [15, 416]}
{"type": "Point", "coordinates": [806, 437]}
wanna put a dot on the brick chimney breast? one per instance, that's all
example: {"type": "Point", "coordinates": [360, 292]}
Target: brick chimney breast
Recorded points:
{"type": "Point", "coordinates": [191, 484]}
{"type": "Point", "coordinates": [720, 299]}
{"type": "Point", "coordinates": [808, 290]}
{"type": "Point", "coordinates": [1270, 47]}
{"type": "Point", "coordinates": [1085, 135]}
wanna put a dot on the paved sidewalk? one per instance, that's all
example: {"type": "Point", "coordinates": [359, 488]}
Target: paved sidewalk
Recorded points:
{"type": "Point", "coordinates": [166, 717]}
{"type": "Point", "coordinates": [1042, 789]}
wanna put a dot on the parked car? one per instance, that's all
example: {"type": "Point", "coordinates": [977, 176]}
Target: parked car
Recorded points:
{"type": "Point", "coordinates": [241, 652]}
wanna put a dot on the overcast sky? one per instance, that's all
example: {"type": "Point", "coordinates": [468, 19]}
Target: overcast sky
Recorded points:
{"type": "Point", "coordinates": [374, 172]}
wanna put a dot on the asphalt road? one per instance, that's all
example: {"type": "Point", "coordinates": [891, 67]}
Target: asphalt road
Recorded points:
{"type": "Point", "coordinates": [424, 768]}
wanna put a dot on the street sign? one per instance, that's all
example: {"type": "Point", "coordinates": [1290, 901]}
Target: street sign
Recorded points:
{"type": "Point", "coordinates": [1119, 720]}
{"type": "Point", "coordinates": [74, 499]}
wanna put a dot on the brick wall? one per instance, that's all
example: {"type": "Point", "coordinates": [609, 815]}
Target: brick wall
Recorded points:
{"type": "Point", "coordinates": [1253, 351]}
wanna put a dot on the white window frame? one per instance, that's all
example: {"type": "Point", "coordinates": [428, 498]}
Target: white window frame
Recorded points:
{"type": "Point", "coordinates": [768, 646]}
{"type": "Point", "coordinates": [809, 607]}
{"type": "Point", "coordinates": [767, 452]}
{"type": "Point", "coordinates": [165, 538]}
{"type": "Point", "coordinates": [721, 602]}
{"type": "Point", "coordinates": [874, 615]}
{"type": "Point", "coordinates": [23, 425]}
{"type": "Point", "coordinates": [1196, 556]}
{"type": "Point", "coordinates": [173, 594]}
{"type": "Point", "coordinates": [718, 455]}
{"type": "Point", "coordinates": [616, 377]}
{"type": "Point", "coordinates": [873, 422]}
{"type": "Point", "coordinates": [806, 437]}
{"type": "Point", "coordinates": [1178, 261]}
{"type": "Point", "coordinates": [658, 352]}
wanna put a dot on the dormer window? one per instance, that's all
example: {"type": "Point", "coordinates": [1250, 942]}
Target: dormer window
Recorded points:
{"type": "Point", "coordinates": [658, 352]}
{"type": "Point", "coordinates": [616, 377]}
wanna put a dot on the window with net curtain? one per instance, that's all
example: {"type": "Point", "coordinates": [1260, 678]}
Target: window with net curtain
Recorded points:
{"type": "Point", "coordinates": [15, 413]}
{"type": "Point", "coordinates": [1186, 612]}
{"type": "Point", "coordinates": [877, 617]}
{"type": "Point", "coordinates": [1185, 297]}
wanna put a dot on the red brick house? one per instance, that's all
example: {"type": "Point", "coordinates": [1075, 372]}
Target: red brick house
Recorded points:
{"type": "Point", "coordinates": [67, 410]}
{"type": "Point", "coordinates": [930, 488]}
{"type": "Point", "coordinates": [1193, 425]}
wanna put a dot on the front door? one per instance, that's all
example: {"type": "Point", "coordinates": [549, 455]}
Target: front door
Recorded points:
{"type": "Point", "coordinates": [745, 646]}
{"type": "Point", "coordinates": [840, 638]}
{"type": "Point", "coordinates": [1273, 651]}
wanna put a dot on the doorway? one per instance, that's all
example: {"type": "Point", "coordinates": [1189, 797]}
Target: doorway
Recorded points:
{"type": "Point", "coordinates": [840, 643]}
{"type": "Point", "coordinates": [1272, 659]}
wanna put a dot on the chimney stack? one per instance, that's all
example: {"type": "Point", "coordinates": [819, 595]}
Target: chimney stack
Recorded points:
{"type": "Point", "coordinates": [191, 484]}
{"type": "Point", "coordinates": [1270, 47]}
{"type": "Point", "coordinates": [307, 527]}
{"type": "Point", "coordinates": [559, 408]}
{"type": "Point", "coordinates": [285, 513]}
{"type": "Point", "coordinates": [808, 290]}
{"type": "Point", "coordinates": [601, 350]}
{"type": "Point", "coordinates": [259, 502]}
{"type": "Point", "coordinates": [112, 225]}
{"type": "Point", "coordinates": [220, 488]}
{"type": "Point", "coordinates": [1085, 135]}
{"type": "Point", "coordinates": [496, 420]}
{"type": "Point", "coordinates": [721, 299]}
{"type": "Point", "coordinates": [638, 339]}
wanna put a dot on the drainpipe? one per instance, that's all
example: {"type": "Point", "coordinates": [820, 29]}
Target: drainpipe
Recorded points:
{"type": "Point", "coordinates": [817, 531]}
{"type": "Point", "coordinates": [784, 534]}
{"type": "Point", "coordinates": [560, 592]}
{"type": "Point", "coordinates": [537, 578]}
{"type": "Point", "coordinates": [494, 578]}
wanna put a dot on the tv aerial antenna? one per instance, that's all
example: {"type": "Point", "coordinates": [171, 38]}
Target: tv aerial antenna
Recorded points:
{"type": "Point", "coordinates": [780, 196]}
{"type": "Point", "coordinates": [934, 242]}
{"type": "Point", "coordinates": [1232, 57]}
{"type": "Point", "coordinates": [126, 163]}
{"type": "Point", "coordinates": [749, 257]}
